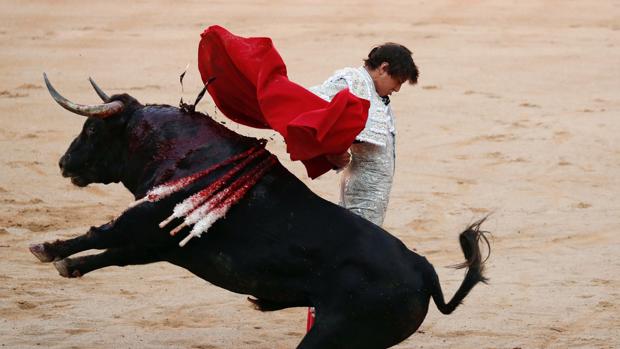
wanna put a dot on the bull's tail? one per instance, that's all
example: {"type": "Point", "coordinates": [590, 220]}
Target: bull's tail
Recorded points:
{"type": "Point", "coordinates": [470, 240]}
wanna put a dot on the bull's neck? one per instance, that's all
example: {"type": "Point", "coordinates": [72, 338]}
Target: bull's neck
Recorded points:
{"type": "Point", "coordinates": [163, 148]}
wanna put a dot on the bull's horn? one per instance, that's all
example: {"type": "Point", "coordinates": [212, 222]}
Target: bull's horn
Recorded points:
{"type": "Point", "coordinates": [99, 91]}
{"type": "Point", "coordinates": [97, 111]}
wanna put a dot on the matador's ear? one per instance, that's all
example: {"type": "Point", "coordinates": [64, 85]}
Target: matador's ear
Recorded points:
{"type": "Point", "coordinates": [384, 67]}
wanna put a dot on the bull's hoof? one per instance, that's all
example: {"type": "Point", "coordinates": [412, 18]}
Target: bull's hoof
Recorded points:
{"type": "Point", "coordinates": [65, 270]}
{"type": "Point", "coordinates": [42, 253]}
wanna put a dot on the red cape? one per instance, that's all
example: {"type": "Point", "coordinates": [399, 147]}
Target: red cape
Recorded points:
{"type": "Point", "coordinates": [252, 88]}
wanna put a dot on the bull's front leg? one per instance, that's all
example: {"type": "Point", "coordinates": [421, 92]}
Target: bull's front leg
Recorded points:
{"type": "Point", "coordinates": [119, 232]}
{"type": "Point", "coordinates": [96, 238]}
{"type": "Point", "coordinates": [120, 256]}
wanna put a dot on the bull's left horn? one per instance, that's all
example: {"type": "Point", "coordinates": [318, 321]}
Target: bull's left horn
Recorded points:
{"type": "Point", "coordinates": [99, 91]}
{"type": "Point", "coordinates": [97, 111]}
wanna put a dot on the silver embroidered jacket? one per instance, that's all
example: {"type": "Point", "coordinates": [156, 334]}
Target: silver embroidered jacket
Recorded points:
{"type": "Point", "coordinates": [367, 180]}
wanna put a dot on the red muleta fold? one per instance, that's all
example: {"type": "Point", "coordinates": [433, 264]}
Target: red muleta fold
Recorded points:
{"type": "Point", "coordinates": [252, 88]}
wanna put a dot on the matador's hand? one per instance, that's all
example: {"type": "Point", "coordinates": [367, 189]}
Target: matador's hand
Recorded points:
{"type": "Point", "coordinates": [339, 160]}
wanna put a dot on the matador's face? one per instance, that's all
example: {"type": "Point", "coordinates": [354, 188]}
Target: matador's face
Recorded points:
{"type": "Point", "coordinates": [385, 84]}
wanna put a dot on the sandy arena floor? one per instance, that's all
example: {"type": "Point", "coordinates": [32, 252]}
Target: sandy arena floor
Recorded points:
{"type": "Point", "coordinates": [517, 112]}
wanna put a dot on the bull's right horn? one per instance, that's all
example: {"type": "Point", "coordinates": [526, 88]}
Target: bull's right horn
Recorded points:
{"type": "Point", "coordinates": [98, 111]}
{"type": "Point", "coordinates": [99, 91]}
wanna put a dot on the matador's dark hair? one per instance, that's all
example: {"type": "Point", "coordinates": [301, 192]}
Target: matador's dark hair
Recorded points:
{"type": "Point", "coordinates": [398, 57]}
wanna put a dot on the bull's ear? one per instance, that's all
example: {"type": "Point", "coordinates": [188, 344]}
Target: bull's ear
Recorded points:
{"type": "Point", "coordinates": [131, 105]}
{"type": "Point", "coordinates": [128, 101]}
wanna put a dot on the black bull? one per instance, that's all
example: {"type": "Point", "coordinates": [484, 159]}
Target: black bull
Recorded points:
{"type": "Point", "coordinates": [281, 244]}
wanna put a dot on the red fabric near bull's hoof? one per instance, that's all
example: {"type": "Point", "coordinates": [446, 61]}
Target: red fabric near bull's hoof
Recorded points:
{"type": "Point", "coordinates": [252, 88]}
{"type": "Point", "coordinates": [311, 317]}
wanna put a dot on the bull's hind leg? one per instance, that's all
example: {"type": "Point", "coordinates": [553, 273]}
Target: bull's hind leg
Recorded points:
{"type": "Point", "coordinates": [335, 331]}
{"type": "Point", "coordinates": [356, 326]}
{"type": "Point", "coordinates": [121, 256]}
